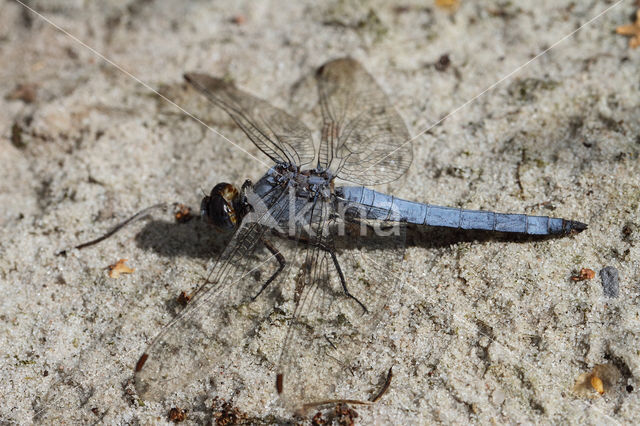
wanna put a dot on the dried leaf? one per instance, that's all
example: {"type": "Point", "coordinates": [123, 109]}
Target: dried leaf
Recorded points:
{"type": "Point", "coordinates": [585, 274]}
{"type": "Point", "coordinates": [119, 268]}
{"type": "Point", "coordinates": [632, 30]}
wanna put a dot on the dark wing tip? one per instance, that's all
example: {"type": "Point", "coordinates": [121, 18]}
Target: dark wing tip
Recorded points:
{"type": "Point", "coordinates": [338, 65]}
{"type": "Point", "coordinates": [192, 76]}
{"type": "Point", "coordinates": [206, 82]}
{"type": "Point", "coordinates": [141, 362]}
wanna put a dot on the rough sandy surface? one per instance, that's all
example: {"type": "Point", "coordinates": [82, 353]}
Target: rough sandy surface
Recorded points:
{"type": "Point", "coordinates": [490, 330]}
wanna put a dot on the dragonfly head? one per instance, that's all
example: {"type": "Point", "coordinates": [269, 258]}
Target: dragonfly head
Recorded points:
{"type": "Point", "coordinates": [223, 208]}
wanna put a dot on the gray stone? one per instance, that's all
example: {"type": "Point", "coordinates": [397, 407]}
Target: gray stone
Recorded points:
{"type": "Point", "coordinates": [610, 281]}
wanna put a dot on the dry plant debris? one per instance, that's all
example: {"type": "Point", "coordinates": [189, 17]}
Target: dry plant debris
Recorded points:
{"type": "Point", "coordinates": [26, 92]}
{"type": "Point", "coordinates": [177, 415]}
{"type": "Point", "coordinates": [184, 298]}
{"type": "Point", "coordinates": [631, 30]}
{"type": "Point", "coordinates": [449, 5]}
{"type": "Point", "coordinates": [584, 274]}
{"type": "Point", "coordinates": [600, 379]}
{"type": "Point", "coordinates": [119, 268]}
{"type": "Point", "coordinates": [224, 413]}
{"type": "Point", "coordinates": [183, 213]}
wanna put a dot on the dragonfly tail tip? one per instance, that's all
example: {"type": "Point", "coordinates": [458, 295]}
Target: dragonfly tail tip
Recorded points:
{"type": "Point", "coordinates": [577, 227]}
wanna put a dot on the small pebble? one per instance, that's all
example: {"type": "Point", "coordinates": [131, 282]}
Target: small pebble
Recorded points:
{"type": "Point", "coordinates": [498, 397]}
{"type": "Point", "coordinates": [610, 281]}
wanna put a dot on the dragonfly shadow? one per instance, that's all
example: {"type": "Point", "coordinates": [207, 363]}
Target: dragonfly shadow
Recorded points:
{"type": "Point", "coordinates": [434, 237]}
{"type": "Point", "coordinates": [197, 239]}
{"type": "Point", "coordinates": [194, 239]}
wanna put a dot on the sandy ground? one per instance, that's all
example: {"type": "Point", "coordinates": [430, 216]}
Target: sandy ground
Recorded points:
{"type": "Point", "coordinates": [489, 330]}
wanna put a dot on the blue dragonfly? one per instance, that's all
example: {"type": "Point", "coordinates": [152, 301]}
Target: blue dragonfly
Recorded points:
{"type": "Point", "coordinates": [299, 258]}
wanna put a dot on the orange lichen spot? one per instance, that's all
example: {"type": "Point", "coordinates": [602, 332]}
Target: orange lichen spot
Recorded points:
{"type": "Point", "coordinates": [119, 268]}
{"type": "Point", "coordinates": [584, 274]}
{"type": "Point", "coordinates": [631, 30]}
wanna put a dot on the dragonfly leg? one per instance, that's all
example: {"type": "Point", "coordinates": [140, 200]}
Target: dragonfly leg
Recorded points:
{"type": "Point", "coordinates": [280, 258]}
{"type": "Point", "coordinates": [246, 184]}
{"type": "Point", "coordinates": [334, 258]}
{"type": "Point", "coordinates": [340, 274]}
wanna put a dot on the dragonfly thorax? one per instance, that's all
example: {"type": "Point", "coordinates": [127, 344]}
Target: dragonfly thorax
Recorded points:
{"type": "Point", "coordinates": [310, 183]}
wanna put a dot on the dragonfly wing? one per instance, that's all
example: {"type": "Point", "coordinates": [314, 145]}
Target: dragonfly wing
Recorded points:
{"type": "Point", "coordinates": [215, 320]}
{"type": "Point", "coordinates": [276, 133]}
{"type": "Point", "coordinates": [364, 139]}
{"type": "Point", "coordinates": [324, 356]}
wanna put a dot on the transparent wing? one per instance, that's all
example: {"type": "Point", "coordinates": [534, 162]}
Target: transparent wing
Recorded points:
{"type": "Point", "coordinates": [215, 321]}
{"type": "Point", "coordinates": [325, 355]}
{"type": "Point", "coordinates": [279, 135]}
{"type": "Point", "coordinates": [364, 140]}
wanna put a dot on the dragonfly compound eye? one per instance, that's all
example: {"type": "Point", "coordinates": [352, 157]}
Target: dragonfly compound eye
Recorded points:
{"type": "Point", "coordinates": [219, 208]}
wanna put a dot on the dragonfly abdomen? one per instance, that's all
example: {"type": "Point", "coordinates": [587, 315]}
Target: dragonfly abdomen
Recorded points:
{"type": "Point", "coordinates": [376, 205]}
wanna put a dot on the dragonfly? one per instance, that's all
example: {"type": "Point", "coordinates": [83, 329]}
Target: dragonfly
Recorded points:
{"type": "Point", "coordinates": [313, 260]}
